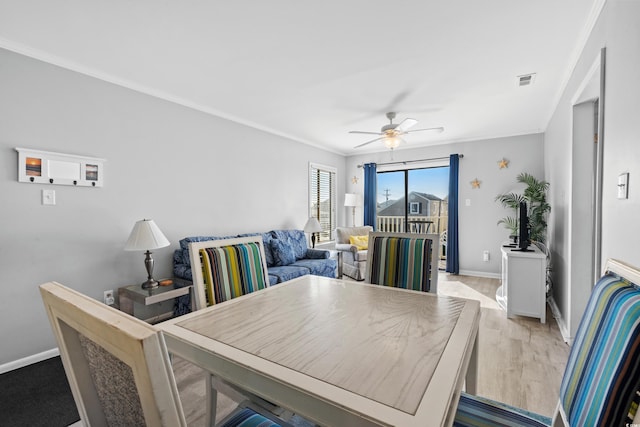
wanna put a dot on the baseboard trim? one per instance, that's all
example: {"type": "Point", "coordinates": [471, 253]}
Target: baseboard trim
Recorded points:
{"type": "Point", "coordinates": [26, 361]}
{"type": "Point", "coordinates": [564, 331]}
{"type": "Point", "coordinates": [479, 274]}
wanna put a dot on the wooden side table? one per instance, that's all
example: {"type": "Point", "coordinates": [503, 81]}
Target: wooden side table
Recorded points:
{"type": "Point", "coordinates": [128, 295]}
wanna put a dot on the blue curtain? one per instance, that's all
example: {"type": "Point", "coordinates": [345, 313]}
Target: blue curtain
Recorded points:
{"type": "Point", "coordinates": [452, 226]}
{"type": "Point", "coordinates": [370, 192]}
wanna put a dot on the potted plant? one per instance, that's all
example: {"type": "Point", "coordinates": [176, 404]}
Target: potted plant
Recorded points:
{"type": "Point", "coordinates": [535, 195]}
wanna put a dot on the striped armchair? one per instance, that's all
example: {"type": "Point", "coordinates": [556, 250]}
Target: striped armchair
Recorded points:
{"type": "Point", "coordinates": [602, 378]}
{"type": "Point", "coordinates": [403, 260]}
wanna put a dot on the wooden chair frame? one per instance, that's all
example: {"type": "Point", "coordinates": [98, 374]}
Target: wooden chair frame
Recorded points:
{"type": "Point", "coordinates": [134, 342]}
{"type": "Point", "coordinates": [435, 241]}
{"type": "Point", "coordinates": [196, 263]}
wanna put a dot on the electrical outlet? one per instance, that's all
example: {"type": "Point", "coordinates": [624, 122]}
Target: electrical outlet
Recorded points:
{"type": "Point", "coordinates": [485, 256]}
{"type": "Point", "coordinates": [108, 297]}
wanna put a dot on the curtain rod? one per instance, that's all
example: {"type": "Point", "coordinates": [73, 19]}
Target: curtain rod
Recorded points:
{"type": "Point", "coordinates": [415, 161]}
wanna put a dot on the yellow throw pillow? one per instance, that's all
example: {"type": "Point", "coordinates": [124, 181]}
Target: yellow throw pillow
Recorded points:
{"type": "Point", "coordinates": [360, 242]}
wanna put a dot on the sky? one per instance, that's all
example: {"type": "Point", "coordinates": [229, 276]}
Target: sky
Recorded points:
{"type": "Point", "coordinates": [431, 180]}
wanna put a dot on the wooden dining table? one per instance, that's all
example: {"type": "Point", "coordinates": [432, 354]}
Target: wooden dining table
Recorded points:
{"type": "Point", "coordinates": [339, 353]}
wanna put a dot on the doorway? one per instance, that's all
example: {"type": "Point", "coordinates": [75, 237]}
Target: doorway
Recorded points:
{"type": "Point", "coordinates": [414, 201]}
{"type": "Point", "coordinates": [586, 191]}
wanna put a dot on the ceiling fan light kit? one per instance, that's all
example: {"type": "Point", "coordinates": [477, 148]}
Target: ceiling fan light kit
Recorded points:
{"type": "Point", "coordinates": [390, 134]}
{"type": "Point", "coordinates": [392, 142]}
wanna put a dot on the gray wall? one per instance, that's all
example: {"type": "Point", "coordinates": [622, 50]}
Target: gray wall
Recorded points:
{"type": "Point", "coordinates": [477, 222]}
{"type": "Point", "coordinates": [192, 173]}
{"type": "Point", "coordinates": [618, 30]}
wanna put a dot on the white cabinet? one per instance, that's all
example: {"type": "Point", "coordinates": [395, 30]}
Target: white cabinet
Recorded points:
{"type": "Point", "coordinates": [523, 290]}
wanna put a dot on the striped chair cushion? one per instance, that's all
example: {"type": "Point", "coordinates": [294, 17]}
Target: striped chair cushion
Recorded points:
{"type": "Point", "coordinates": [248, 418]}
{"type": "Point", "coordinates": [603, 371]}
{"type": "Point", "coordinates": [482, 412]}
{"type": "Point", "coordinates": [232, 271]}
{"type": "Point", "coordinates": [401, 262]}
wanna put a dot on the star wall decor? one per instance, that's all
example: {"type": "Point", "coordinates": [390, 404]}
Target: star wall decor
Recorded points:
{"type": "Point", "coordinates": [503, 164]}
{"type": "Point", "coordinates": [354, 180]}
{"type": "Point", "coordinates": [475, 183]}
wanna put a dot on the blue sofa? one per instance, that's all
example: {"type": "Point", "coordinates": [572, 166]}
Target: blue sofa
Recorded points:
{"type": "Point", "coordinates": [286, 253]}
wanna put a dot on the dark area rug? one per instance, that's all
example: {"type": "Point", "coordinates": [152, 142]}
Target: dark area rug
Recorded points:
{"type": "Point", "coordinates": [37, 395]}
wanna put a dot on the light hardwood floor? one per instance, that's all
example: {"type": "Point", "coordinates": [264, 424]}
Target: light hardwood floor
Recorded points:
{"type": "Point", "coordinates": [521, 361]}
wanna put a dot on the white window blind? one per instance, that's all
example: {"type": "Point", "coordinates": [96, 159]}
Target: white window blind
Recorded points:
{"type": "Point", "coordinates": [322, 199]}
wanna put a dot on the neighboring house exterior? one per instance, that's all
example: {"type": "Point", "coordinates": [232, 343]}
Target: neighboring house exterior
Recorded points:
{"type": "Point", "coordinates": [419, 207]}
{"type": "Point", "coordinates": [419, 204]}
{"type": "Point", "coordinates": [385, 204]}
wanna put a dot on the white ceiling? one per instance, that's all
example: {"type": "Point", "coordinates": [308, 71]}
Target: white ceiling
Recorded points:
{"type": "Point", "coordinates": [312, 71]}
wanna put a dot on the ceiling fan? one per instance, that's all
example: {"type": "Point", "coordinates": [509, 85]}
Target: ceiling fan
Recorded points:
{"type": "Point", "coordinates": [390, 134]}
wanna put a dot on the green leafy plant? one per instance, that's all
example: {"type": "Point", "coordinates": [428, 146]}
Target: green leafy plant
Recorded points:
{"type": "Point", "coordinates": [537, 207]}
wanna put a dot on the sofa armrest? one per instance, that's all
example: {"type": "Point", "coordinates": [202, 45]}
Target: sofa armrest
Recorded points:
{"type": "Point", "coordinates": [317, 253]}
{"type": "Point", "coordinates": [348, 247]}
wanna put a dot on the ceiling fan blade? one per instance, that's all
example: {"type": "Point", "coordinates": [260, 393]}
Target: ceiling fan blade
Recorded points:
{"type": "Point", "coordinates": [369, 142]}
{"type": "Point", "coordinates": [365, 133]}
{"type": "Point", "coordinates": [405, 125]}
{"type": "Point", "coordinates": [436, 129]}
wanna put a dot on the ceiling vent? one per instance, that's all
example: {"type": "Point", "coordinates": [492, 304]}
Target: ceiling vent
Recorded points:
{"type": "Point", "coordinates": [526, 79]}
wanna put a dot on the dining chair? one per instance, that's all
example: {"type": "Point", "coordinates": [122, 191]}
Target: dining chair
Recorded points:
{"type": "Point", "coordinates": [227, 268]}
{"type": "Point", "coordinates": [118, 366]}
{"type": "Point", "coordinates": [222, 270]}
{"type": "Point", "coordinates": [602, 377]}
{"type": "Point", "coordinates": [403, 260]}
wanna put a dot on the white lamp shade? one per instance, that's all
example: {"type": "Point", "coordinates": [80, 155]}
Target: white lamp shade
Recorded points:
{"type": "Point", "coordinates": [312, 226]}
{"type": "Point", "coordinates": [352, 199]}
{"type": "Point", "coordinates": [145, 236]}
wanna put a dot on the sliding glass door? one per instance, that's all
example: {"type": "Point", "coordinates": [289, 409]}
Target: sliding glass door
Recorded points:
{"type": "Point", "coordinates": [414, 201]}
{"type": "Point", "coordinates": [391, 212]}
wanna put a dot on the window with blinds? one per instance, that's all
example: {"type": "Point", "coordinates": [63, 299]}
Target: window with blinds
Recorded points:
{"type": "Point", "coordinates": [322, 199]}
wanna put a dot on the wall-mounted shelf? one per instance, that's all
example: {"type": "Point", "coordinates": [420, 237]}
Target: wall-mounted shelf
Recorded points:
{"type": "Point", "coordinates": [45, 167]}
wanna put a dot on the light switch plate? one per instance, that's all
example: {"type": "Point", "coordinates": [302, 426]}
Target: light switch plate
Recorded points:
{"type": "Point", "coordinates": [623, 186]}
{"type": "Point", "coordinates": [48, 197]}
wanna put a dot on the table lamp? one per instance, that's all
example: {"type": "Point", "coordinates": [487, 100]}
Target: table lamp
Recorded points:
{"type": "Point", "coordinates": [146, 236]}
{"type": "Point", "coordinates": [312, 226]}
{"type": "Point", "coordinates": [352, 200]}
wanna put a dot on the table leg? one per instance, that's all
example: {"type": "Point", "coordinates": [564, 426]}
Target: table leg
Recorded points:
{"type": "Point", "coordinates": [471, 379]}
{"type": "Point", "coordinates": [212, 401]}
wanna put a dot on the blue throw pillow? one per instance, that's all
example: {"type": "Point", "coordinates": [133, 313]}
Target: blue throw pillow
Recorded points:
{"type": "Point", "coordinates": [282, 252]}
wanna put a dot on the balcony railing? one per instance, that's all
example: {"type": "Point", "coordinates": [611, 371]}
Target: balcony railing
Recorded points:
{"type": "Point", "coordinates": [396, 224]}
